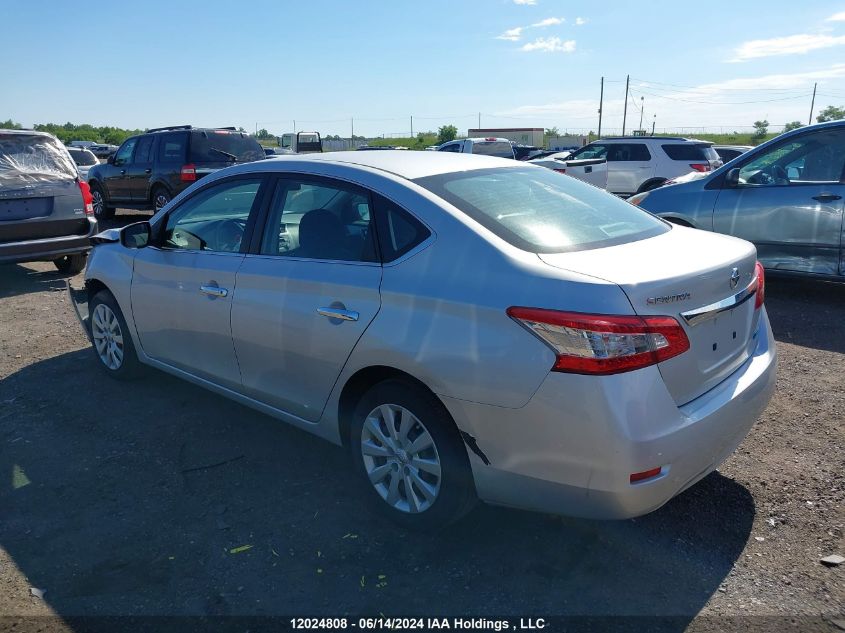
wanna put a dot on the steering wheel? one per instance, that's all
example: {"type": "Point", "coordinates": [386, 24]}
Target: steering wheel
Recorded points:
{"type": "Point", "coordinates": [229, 235]}
{"type": "Point", "coordinates": [779, 175]}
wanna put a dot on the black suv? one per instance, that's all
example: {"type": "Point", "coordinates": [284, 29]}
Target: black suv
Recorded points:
{"type": "Point", "coordinates": [148, 170]}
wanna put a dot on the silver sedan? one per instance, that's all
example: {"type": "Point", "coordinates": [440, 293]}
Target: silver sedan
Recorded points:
{"type": "Point", "coordinates": [467, 327]}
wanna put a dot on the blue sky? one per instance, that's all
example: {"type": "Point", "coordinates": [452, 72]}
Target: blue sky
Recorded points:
{"type": "Point", "coordinates": [323, 62]}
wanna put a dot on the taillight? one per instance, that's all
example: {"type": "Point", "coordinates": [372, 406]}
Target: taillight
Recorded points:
{"type": "Point", "coordinates": [188, 173]}
{"type": "Point", "coordinates": [700, 166]}
{"type": "Point", "coordinates": [603, 344]}
{"type": "Point", "coordinates": [87, 198]}
{"type": "Point", "coordinates": [760, 278]}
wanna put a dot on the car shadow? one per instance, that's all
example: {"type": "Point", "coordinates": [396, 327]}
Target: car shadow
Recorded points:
{"type": "Point", "coordinates": [20, 279]}
{"type": "Point", "coordinates": [155, 497]}
{"type": "Point", "coordinates": [806, 312]}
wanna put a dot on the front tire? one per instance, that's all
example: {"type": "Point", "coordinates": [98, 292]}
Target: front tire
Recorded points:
{"type": "Point", "coordinates": [71, 264]}
{"type": "Point", "coordinates": [112, 341]}
{"type": "Point", "coordinates": [410, 458]}
{"type": "Point", "coordinates": [102, 211]}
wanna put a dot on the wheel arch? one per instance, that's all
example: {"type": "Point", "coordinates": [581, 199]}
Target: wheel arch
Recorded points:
{"type": "Point", "coordinates": [651, 183]}
{"type": "Point", "coordinates": [363, 380]}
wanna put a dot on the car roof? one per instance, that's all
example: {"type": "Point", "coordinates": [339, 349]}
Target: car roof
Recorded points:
{"type": "Point", "coordinates": [406, 164]}
{"type": "Point", "coordinates": [655, 139]}
{"type": "Point", "coordinates": [27, 132]}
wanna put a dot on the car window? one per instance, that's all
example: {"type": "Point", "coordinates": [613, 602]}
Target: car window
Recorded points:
{"type": "Point", "coordinates": [628, 152]}
{"type": "Point", "coordinates": [214, 146]}
{"type": "Point", "coordinates": [124, 153]}
{"type": "Point", "coordinates": [817, 157]}
{"type": "Point", "coordinates": [590, 151]}
{"type": "Point", "coordinates": [690, 151]}
{"type": "Point", "coordinates": [213, 219]}
{"type": "Point", "coordinates": [493, 148]}
{"type": "Point", "coordinates": [143, 152]}
{"type": "Point", "coordinates": [171, 147]}
{"type": "Point", "coordinates": [82, 157]}
{"type": "Point", "coordinates": [539, 211]}
{"type": "Point", "coordinates": [34, 158]}
{"type": "Point", "coordinates": [454, 147]}
{"type": "Point", "coordinates": [398, 231]}
{"type": "Point", "coordinates": [312, 220]}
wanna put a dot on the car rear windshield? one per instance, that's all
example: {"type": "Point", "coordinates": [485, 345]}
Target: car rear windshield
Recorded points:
{"type": "Point", "coordinates": [690, 151]}
{"type": "Point", "coordinates": [541, 211]}
{"type": "Point", "coordinates": [34, 158]}
{"type": "Point", "coordinates": [83, 157]}
{"type": "Point", "coordinates": [214, 146]}
{"type": "Point", "coordinates": [493, 148]}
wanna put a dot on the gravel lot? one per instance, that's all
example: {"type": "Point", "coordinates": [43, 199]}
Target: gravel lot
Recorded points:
{"type": "Point", "coordinates": [112, 512]}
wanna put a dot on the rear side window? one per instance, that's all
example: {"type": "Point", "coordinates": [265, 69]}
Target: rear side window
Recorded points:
{"type": "Point", "coordinates": [82, 157]}
{"type": "Point", "coordinates": [171, 147]}
{"type": "Point", "coordinates": [502, 150]}
{"type": "Point", "coordinates": [144, 150]}
{"type": "Point", "coordinates": [398, 231]}
{"type": "Point", "coordinates": [34, 158]}
{"type": "Point", "coordinates": [627, 152]}
{"type": "Point", "coordinates": [539, 211]}
{"type": "Point", "coordinates": [690, 151]}
{"type": "Point", "coordinates": [591, 151]}
{"type": "Point", "coordinates": [214, 146]}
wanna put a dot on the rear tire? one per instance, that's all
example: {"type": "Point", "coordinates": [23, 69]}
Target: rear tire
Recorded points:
{"type": "Point", "coordinates": [102, 211]}
{"type": "Point", "coordinates": [160, 197]}
{"type": "Point", "coordinates": [112, 345]}
{"type": "Point", "coordinates": [417, 474]}
{"type": "Point", "coordinates": [71, 264]}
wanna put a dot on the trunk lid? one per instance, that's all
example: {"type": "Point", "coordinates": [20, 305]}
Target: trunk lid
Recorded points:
{"type": "Point", "coordinates": [680, 273]}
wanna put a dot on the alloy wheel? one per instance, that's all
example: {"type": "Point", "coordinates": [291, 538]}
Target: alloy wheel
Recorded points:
{"type": "Point", "coordinates": [108, 336]}
{"type": "Point", "coordinates": [401, 458]}
{"type": "Point", "coordinates": [98, 203]}
{"type": "Point", "coordinates": [161, 199]}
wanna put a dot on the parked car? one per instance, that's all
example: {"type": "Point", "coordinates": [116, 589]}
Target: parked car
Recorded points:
{"type": "Point", "coordinates": [641, 163]}
{"type": "Point", "coordinates": [46, 211]}
{"type": "Point", "coordinates": [500, 147]}
{"type": "Point", "coordinates": [301, 142]}
{"type": "Point", "coordinates": [591, 170]}
{"type": "Point", "coordinates": [84, 159]}
{"type": "Point", "coordinates": [148, 170]}
{"type": "Point", "coordinates": [82, 144]}
{"type": "Point", "coordinates": [728, 152]}
{"type": "Point", "coordinates": [526, 152]}
{"type": "Point", "coordinates": [786, 196]}
{"type": "Point", "coordinates": [103, 150]}
{"type": "Point", "coordinates": [468, 327]}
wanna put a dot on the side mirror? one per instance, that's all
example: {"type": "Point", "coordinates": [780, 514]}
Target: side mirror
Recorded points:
{"type": "Point", "coordinates": [732, 178]}
{"type": "Point", "coordinates": [136, 235]}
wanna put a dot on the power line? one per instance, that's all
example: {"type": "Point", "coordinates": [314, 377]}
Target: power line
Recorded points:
{"type": "Point", "coordinates": [659, 96]}
{"type": "Point", "coordinates": [711, 87]}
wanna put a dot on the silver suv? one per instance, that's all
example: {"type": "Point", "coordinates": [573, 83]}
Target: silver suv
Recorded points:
{"type": "Point", "coordinates": [642, 163]}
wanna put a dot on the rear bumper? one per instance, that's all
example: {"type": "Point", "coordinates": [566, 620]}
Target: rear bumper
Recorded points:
{"type": "Point", "coordinates": [572, 448]}
{"type": "Point", "coordinates": [47, 249]}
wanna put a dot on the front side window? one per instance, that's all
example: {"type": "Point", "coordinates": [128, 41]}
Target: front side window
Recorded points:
{"type": "Point", "coordinates": [454, 147]}
{"type": "Point", "coordinates": [540, 211]}
{"type": "Point", "coordinates": [318, 220]}
{"type": "Point", "coordinates": [124, 154]}
{"type": "Point", "coordinates": [590, 151]}
{"type": "Point", "coordinates": [814, 158]}
{"type": "Point", "coordinates": [214, 219]}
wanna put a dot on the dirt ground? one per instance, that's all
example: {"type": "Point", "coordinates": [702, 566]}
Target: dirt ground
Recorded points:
{"type": "Point", "coordinates": [110, 502]}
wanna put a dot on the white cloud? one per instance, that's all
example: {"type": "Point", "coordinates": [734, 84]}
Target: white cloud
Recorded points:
{"type": "Point", "coordinates": [580, 21]}
{"type": "Point", "coordinates": [550, 45]}
{"type": "Point", "coordinates": [512, 35]}
{"type": "Point", "coordinates": [837, 17]}
{"type": "Point", "coordinates": [525, 1]}
{"type": "Point", "coordinates": [548, 22]}
{"type": "Point", "coordinates": [792, 44]}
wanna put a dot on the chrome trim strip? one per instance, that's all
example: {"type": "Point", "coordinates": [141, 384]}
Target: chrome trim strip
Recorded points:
{"type": "Point", "coordinates": [694, 317]}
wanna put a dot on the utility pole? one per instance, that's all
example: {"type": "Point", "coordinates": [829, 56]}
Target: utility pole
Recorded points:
{"type": "Point", "coordinates": [625, 114]}
{"type": "Point", "coordinates": [479, 120]}
{"type": "Point", "coordinates": [256, 126]}
{"type": "Point", "coordinates": [352, 123]}
{"type": "Point", "coordinates": [294, 126]}
{"type": "Point", "coordinates": [642, 107]}
{"type": "Point", "coordinates": [653, 123]}
{"type": "Point", "coordinates": [812, 104]}
{"type": "Point", "coordinates": [601, 103]}
{"type": "Point", "coordinates": [412, 126]}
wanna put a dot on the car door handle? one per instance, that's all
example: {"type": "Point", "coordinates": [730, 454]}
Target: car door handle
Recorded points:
{"type": "Point", "coordinates": [338, 313]}
{"type": "Point", "coordinates": [827, 197]}
{"type": "Point", "coordinates": [214, 291]}
{"type": "Point", "coordinates": [122, 172]}
{"type": "Point", "coordinates": [148, 171]}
